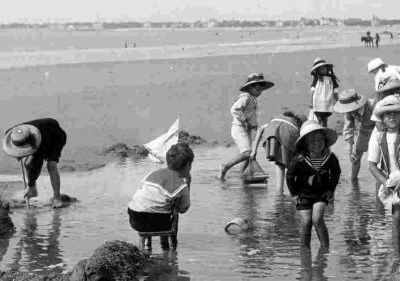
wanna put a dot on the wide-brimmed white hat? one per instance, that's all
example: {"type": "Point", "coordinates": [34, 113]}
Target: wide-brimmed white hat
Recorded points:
{"type": "Point", "coordinates": [374, 64]}
{"type": "Point", "coordinates": [318, 62]}
{"type": "Point", "coordinates": [349, 100]}
{"type": "Point", "coordinates": [390, 85]}
{"type": "Point", "coordinates": [256, 78]}
{"type": "Point", "coordinates": [311, 126]}
{"type": "Point", "coordinates": [388, 104]}
{"type": "Point", "coordinates": [22, 141]}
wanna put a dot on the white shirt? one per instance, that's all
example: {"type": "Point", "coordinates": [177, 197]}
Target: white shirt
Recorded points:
{"type": "Point", "coordinates": [391, 72]}
{"type": "Point", "coordinates": [374, 152]}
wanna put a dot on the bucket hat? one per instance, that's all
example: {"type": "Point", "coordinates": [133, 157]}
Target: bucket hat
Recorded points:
{"type": "Point", "coordinates": [391, 85]}
{"type": "Point", "coordinates": [388, 104]}
{"type": "Point", "coordinates": [256, 78]}
{"type": "Point", "coordinates": [22, 141]}
{"type": "Point", "coordinates": [311, 126]}
{"type": "Point", "coordinates": [374, 64]}
{"type": "Point", "coordinates": [349, 100]}
{"type": "Point", "coordinates": [318, 62]}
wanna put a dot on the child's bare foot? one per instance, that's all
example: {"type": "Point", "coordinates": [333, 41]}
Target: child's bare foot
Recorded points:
{"type": "Point", "coordinates": [31, 191]}
{"type": "Point", "coordinates": [57, 203]}
{"type": "Point", "coordinates": [222, 172]}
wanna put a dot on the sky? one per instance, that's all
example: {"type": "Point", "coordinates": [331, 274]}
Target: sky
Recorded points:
{"type": "Point", "coordinates": [191, 10]}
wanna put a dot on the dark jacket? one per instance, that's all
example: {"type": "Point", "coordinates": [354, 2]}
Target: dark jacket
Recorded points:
{"type": "Point", "coordinates": [308, 182]}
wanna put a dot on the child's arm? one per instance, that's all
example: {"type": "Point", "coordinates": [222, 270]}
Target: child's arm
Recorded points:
{"type": "Point", "coordinates": [291, 176]}
{"type": "Point", "coordinates": [348, 134]}
{"type": "Point", "coordinates": [237, 110]}
{"type": "Point", "coordinates": [257, 140]}
{"type": "Point", "coordinates": [182, 203]}
{"type": "Point", "coordinates": [376, 172]}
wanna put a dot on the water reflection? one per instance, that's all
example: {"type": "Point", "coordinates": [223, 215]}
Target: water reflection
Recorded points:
{"type": "Point", "coordinates": [38, 251]}
{"type": "Point", "coordinates": [309, 271]}
{"type": "Point", "coordinates": [172, 273]}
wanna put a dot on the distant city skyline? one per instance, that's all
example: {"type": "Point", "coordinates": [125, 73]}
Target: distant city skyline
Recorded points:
{"type": "Point", "coordinates": [39, 11]}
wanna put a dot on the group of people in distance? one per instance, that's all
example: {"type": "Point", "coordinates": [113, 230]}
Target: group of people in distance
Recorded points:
{"type": "Point", "coordinates": [300, 146]}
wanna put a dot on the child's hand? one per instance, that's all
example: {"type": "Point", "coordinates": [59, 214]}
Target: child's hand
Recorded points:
{"type": "Point", "coordinates": [253, 155]}
{"type": "Point", "coordinates": [353, 158]}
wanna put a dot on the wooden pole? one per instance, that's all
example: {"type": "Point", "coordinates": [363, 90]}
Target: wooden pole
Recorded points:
{"type": "Point", "coordinates": [23, 176]}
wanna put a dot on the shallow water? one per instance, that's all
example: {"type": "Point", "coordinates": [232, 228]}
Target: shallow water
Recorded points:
{"type": "Point", "coordinates": [360, 231]}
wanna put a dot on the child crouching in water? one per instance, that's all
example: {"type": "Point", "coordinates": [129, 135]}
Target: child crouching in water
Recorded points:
{"type": "Point", "coordinates": [383, 148]}
{"type": "Point", "coordinates": [312, 177]}
{"type": "Point", "coordinates": [163, 192]}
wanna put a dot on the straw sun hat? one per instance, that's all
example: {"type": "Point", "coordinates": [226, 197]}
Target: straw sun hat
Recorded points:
{"type": "Point", "coordinates": [374, 64]}
{"type": "Point", "coordinates": [318, 62]}
{"type": "Point", "coordinates": [391, 85]}
{"type": "Point", "coordinates": [349, 100]}
{"type": "Point", "coordinates": [22, 141]}
{"type": "Point", "coordinates": [312, 126]}
{"type": "Point", "coordinates": [256, 78]}
{"type": "Point", "coordinates": [389, 104]}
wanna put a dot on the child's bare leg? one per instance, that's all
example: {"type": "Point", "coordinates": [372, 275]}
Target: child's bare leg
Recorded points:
{"type": "Point", "coordinates": [355, 167]}
{"type": "Point", "coordinates": [396, 229]}
{"type": "Point", "coordinates": [245, 163]}
{"type": "Point", "coordinates": [305, 228]}
{"type": "Point", "coordinates": [319, 223]}
{"type": "Point", "coordinates": [236, 160]}
{"type": "Point", "coordinates": [280, 175]}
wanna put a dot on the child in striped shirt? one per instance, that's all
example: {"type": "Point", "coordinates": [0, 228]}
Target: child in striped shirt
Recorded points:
{"type": "Point", "coordinates": [312, 177]}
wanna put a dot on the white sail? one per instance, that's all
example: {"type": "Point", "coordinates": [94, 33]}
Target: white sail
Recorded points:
{"type": "Point", "coordinates": [158, 147]}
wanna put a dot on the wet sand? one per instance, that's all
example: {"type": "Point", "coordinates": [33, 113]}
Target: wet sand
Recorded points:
{"type": "Point", "coordinates": [100, 104]}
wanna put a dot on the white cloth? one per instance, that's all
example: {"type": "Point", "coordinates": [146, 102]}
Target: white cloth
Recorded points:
{"type": "Point", "coordinates": [391, 139]}
{"type": "Point", "coordinates": [245, 110]}
{"type": "Point", "coordinates": [242, 138]}
{"type": "Point", "coordinates": [388, 192]}
{"type": "Point", "coordinates": [391, 72]}
{"type": "Point", "coordinates": [323, 95]}
{"type": "Point", "coordinates": [374, 152]}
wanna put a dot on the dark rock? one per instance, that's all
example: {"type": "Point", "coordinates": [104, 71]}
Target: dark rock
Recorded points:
{"type": "Point", "coordinates": [6, 224]}
{"type": "Point", "coordinates": [122, 150]}
{"type": "Point", "coordinates": [190, 139]}
{"type": "Point", "coordinates": [114, 261]}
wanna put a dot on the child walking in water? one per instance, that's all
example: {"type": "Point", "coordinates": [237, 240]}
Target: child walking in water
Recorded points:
{"type": "Point", "coordinates": [312, 178]}
{"type": "Point", "coordinates": [244, 113]}
{"type": "Point", "coordinates": [324, 90]}
{"type": "Point", "coordinates": [383, 148]}
{"type": "Point", "coordinates": [280, 138]}
{"type": "Point", "coordinates": [163, 192]}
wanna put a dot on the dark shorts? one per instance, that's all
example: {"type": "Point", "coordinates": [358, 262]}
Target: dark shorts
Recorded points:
{"type": "Point", "coordinates": [307, 203]}
{"type": "Point", "coordinates": [322, 115]}
{"type": "Point", "coordinates": [52, 150]}
{"type": "Point", "coordinates": [149, 222]}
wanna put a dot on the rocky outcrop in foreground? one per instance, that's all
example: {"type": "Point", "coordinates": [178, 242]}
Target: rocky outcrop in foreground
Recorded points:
{"type": "Point", "coordinates": [113, 261]}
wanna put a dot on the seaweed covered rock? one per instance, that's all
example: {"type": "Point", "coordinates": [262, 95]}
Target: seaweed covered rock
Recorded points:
{"type": "Point", "coordinates": [6, 224]}
{"type": "Point", "coordinates": [122, 150]}
{"type": "Point", "coordinates": [14, 275]}
{"type": "Point", "coordinates": [190, 139]}
{"type": "Point", "coordinates": [113, 261]}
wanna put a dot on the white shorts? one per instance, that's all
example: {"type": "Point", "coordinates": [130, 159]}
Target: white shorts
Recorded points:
{"type": "Point", "coordinates": [242, 138]}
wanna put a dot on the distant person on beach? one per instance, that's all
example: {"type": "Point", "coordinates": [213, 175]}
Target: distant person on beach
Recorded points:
{"type": "Point", "coordinates": [357, 127]}
{"type": "Point", "coordinates": [312, 178]}
{"type": "Point", "coordinates": [281, 134]}
{"type": "Point", "coordinates": [163, 194]}
{"type": "Point", "coordinates": [383, 72]}
{"type": "Point", "coordinates": [37, 141]}
{"type": "Point", "coordinates": [377, 39]}
{"type": "Point", "coordinates": [244, 123]}
{"type": "Point", "coordinates": [384, 150]}
{"type": "Point", "coordinates": [324, 90]}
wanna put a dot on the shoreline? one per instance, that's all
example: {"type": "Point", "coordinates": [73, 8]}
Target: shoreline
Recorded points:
{"type": "Point", "coordinates": [12, 60]}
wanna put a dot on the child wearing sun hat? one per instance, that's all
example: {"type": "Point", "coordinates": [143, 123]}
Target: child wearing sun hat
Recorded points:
{"type": "Point", "coordinates": [312, 178]}
{"type": "Point", "coordinates": [324, 90]}
{"type": "Point", "coordinates": [244, 120]}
